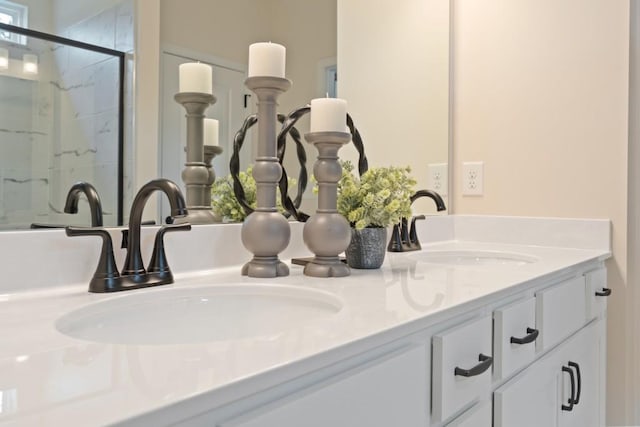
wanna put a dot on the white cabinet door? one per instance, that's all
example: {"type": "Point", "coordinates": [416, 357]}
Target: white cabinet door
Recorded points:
{"type": "Point", "coordinates": [582, 356]}
{"type": "Point", "coordinates": [560, 311]}
{"type": "Point", "coordinates": [542, 395]}
{"type": "Point", "coordinates": [514, 336]}
{"type": "Point", "coordinates": [478, 416]}
{"type": "Point", "coordinates": [391, 391]}
{"type": "Point", "coordinates": [531, 399]}
{"type": "Point", "coordinates": [461, 367]}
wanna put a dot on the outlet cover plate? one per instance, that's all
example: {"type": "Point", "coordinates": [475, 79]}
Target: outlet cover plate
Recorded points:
{"type": "Point", "coordinates": [438, 178]}
{"type": "Point", "coordinates": [472, 178]}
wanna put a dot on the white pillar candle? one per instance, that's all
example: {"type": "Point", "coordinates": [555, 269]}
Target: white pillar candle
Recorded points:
{"type": "Point", "coordinates": [328, 115]}
{"type": "Point", "coordinates": [211, 132]}
{"type": "Point", "coordinates": [267, 59]}
{"type": "Point", "coordinates": [30, 63]}
{"type": "Point", "coordinates": [195, 77]}
{"type": "Point", "coordinates": [4, 59]}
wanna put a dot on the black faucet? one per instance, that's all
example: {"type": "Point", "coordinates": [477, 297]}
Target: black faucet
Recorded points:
{"type": "Point", "coordinates": [71, 205]}
{"type": "Point", "coordinates": [133, 264]}
{"type": "Point", "coordinates": [405, 238]}
{"type": "Point", "coordinates": [134, 275]}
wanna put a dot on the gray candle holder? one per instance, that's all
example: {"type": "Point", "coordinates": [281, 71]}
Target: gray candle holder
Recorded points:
{"type": "Point", "coordinates": [327, 233]}
{"type": "Point", "coordinates": [195, 174]}
{"type": "Point", "coordinates": [266, 232]}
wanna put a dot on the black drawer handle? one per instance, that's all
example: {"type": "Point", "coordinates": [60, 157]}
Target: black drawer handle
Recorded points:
{"type": "Point", "coordinates": [604, 293]}
{"type": "Point", "coordinates": [571, 400]}
{"type": "Point", "coordinates": [531, 336]}
{"type": "Point", "coordinates": [577, 368]}
{"type": "Point", "coordinates": [485, 363]}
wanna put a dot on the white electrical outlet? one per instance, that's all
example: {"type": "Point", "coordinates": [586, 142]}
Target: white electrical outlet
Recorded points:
{"type": "Point", "coordinates": [472, 178]}
{"type": "Point", "coordinates": [438, 178]}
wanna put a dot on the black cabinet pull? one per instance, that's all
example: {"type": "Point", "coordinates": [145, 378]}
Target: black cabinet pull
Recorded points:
{"type": "Point", "coordinates": [485, 363]}
{"type": "Point", "coordinates": [579, 374]}
{"type": "Point", "coordinates": [571, 400]}
{"type": "Point", "coordinates": [605, 292]}
{"type": "Point", "coordinates": [531, 336]}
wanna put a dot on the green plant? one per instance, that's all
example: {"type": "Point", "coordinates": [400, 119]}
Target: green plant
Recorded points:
{"type": "Point", "coordinates": [224, 202]}
{"type": "Point", "coordinates": [379, 198]}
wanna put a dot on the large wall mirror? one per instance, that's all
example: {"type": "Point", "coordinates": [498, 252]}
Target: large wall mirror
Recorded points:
{"type": "Point", "coordinates": [391, 60]}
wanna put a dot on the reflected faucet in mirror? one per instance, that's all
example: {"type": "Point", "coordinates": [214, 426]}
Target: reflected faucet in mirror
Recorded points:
{"type": "Point", "coordinates": [71, 205]}
{"type": "Point", "coordinates": [403, 238]}
{"type": "Point", "coordinates": [134, 275]}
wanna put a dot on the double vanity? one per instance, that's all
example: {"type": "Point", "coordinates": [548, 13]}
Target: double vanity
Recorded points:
{"type": "Point", "coordinates": [496, 321]}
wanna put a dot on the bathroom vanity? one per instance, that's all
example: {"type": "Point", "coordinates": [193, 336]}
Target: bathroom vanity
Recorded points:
{"type": "Point", "coordinates": [497, 321]}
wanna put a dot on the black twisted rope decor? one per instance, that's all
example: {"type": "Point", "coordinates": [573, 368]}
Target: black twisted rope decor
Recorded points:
{"type": "Point", "coordinates": [292, 118]}
{"type": "Point", "coordinates": [234, 163]}
{"type": "Point", "coordinates": [288, 128]}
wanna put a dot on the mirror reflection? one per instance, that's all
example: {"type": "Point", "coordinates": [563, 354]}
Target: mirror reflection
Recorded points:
{"type": "Point", "coordinates": [388, 59]}
{"type": "Point", "coordinates": [61, 112]}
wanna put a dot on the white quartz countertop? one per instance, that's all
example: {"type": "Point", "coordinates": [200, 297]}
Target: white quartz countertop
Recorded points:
{"type": "Point", "coordinates": [48, 378]}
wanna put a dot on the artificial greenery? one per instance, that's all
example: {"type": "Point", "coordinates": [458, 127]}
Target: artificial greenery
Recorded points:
{"type": "Point", "coordinates": [379, 198]}
{"type": "Point", "coordinates": [224, 202]}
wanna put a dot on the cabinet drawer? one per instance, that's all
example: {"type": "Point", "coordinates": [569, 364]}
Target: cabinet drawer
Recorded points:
{"type": "Point", "coordinates": [514, 337]}
{"type": "Point", "coordinates": [392, 390]}
{"type": "Point", "coordinates": [465, 347]}
{"type": "Point", "coordinates": [478, 416]}
{"type": "Point", "coordinates": [560, 311]}
{"type": "Point", "coordinates": [596, 292]}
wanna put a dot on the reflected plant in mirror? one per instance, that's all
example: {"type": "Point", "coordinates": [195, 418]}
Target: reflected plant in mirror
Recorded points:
{"type": "Point", "coordinates": [224, 203]}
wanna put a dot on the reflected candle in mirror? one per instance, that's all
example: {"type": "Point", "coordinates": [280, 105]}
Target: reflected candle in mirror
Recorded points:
{"type": "Point", "coordinates": [195, 77]}
{"type": "Point", "coordinates": [210, 132]}
{"type": "Point", "coordinates": [328, 115]}
{"type": "Point", "coordinates": [4, 59]}
{"type": "Point", "coordinates": [267, 60]}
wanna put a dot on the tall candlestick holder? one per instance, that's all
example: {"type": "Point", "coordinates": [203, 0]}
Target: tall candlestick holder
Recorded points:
{"type": "Point", "coordinates": [195, 175]}
{"type": "Point", "coordinates": [266, 232]}
{"type": "Point", "coordinates": [327, 233]}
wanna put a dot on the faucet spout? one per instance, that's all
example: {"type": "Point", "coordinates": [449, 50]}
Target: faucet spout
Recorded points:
{"type": "Point", "coordinates": [133, 265]}
{"type": "Point", "coordinates": [440, 206]}
{"type": "Point", "coordinates": [71, 205]}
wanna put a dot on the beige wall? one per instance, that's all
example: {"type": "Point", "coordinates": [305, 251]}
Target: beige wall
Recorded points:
{"type": "Point", "coordinates": [633, 255]}
{"type": "Point", "coordinates": [146, 99]}
{"type": "Point", "coordinates": [221, 28]}
{"type": "Point", "coordinates": [393, 70]}
{"type": "Point", "coordinates": [541, 96]}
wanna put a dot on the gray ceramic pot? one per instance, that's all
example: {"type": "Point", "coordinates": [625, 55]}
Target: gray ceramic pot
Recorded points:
{"type": "Point", "coordinates": [367, 248]}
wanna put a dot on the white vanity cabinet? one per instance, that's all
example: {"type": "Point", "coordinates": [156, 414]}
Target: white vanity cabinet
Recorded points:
{"type": "Point", "coordinates": [390, 390]}
{"type": "Point", "coordinates": [565, 386]}
{"type": "Point", "coordinates": [561, 389]}
{"type": "Point", "coordinates": [533, 358]}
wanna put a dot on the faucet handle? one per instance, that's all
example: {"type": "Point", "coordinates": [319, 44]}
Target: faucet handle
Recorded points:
{"type": "Point", "coordinates": [413, 234]}
{"type": "Point", "coordinates": [158, 264]}
{"type": "Point", "coordinates": [395, 243]}
{"type": "Point", "coordinates": [106, 277]}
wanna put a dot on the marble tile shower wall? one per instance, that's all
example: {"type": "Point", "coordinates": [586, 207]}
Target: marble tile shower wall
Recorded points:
{"type": "Point", "coordinates": [63, 126]}
{"type": "Point", "coordinates": [86, 144]}
{"type": "Point", "coordinates": [25, 133]}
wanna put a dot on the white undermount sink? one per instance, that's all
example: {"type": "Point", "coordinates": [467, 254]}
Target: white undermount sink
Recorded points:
{"type": "Point", "coordinates": [199, 314]}
{"type": "Point", "coordinates": [474, 258]}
